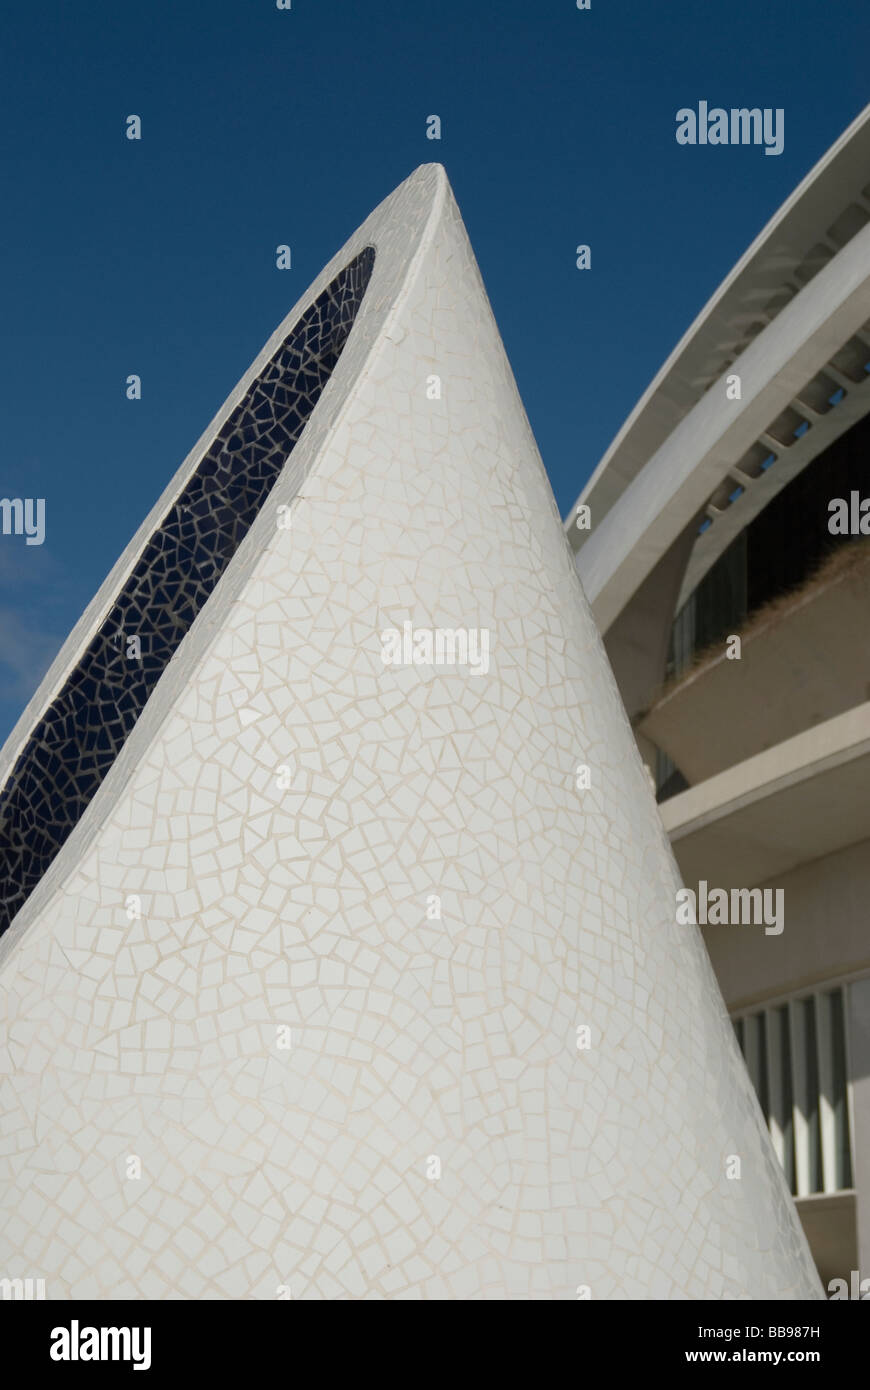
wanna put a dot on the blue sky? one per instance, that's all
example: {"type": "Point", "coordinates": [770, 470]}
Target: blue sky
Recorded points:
{"type": "Point", "coordinates": [263, 126]}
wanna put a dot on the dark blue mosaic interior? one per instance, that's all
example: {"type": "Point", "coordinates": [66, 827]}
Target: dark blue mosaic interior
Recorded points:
{"type": "Point", "coordinates": [78, 738]}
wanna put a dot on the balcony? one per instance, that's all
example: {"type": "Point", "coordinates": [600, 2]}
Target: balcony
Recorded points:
{"type": "Point", "coordinates": [805, 659]}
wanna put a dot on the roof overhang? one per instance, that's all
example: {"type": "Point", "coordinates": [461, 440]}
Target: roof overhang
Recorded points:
{"type": "Point", "coordinates": [805, 231]}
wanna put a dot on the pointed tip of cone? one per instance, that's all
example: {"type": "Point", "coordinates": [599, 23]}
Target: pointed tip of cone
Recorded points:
{"type": "Point", "coordinates": [433, 167]}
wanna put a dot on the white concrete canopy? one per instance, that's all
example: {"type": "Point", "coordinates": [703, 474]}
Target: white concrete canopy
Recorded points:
{"type": "Point", "coordinates": [678, 479]}
{"type": "Point", "coordinates": [822, 213]}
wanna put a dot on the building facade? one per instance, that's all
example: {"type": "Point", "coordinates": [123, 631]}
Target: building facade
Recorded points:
{"type": "Point", "coordinates": [723, 546]}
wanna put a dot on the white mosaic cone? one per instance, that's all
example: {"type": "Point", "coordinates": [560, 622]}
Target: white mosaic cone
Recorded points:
{"type": "Point", "coordinates": [288, 810]}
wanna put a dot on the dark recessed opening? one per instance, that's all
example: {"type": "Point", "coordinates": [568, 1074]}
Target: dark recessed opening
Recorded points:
{"type": "Point", "coordinates": [77, 739]}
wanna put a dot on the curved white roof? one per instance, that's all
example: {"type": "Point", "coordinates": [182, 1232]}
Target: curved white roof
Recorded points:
{"type": "Point", "coordinates": [826, 209]}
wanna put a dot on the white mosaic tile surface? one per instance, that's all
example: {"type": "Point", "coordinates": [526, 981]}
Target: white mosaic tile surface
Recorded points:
{"type": "Point", "coordinates": [267, 1170]}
